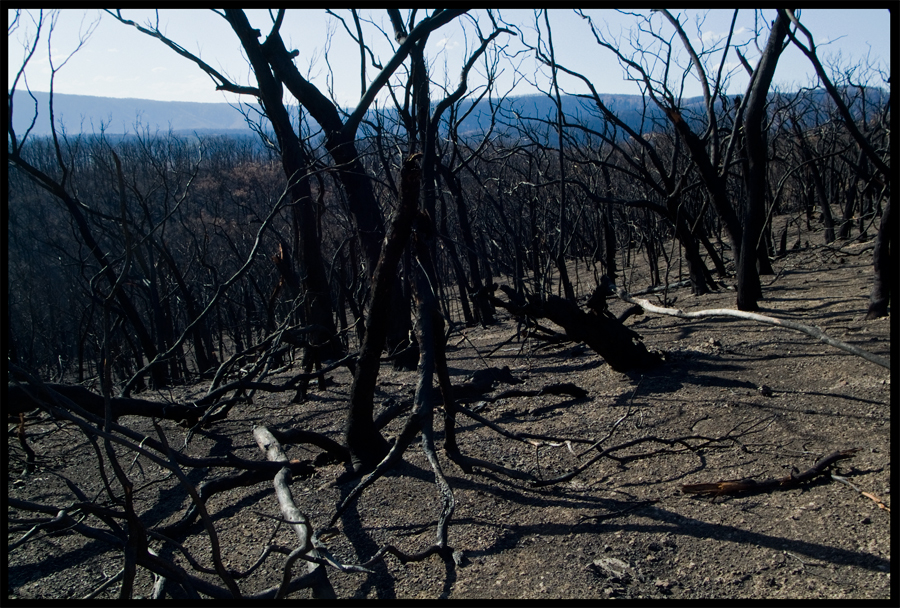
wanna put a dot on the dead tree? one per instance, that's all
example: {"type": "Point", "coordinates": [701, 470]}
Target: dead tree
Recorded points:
{"type": "Point", "coordinates": [366, 445]}
{"type": "Point", "coordinates": [620, 346]}
{"type": "Point", "coordinates": [885, 255]}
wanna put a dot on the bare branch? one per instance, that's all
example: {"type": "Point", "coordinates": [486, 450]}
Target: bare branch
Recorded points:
{"type": "Point", "coordinates": [815, 332]}
{"type": "Point", "coordinates": [222, 82]}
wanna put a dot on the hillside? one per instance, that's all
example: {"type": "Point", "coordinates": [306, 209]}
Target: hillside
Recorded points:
{"type": "Point", "coordinates": [85, 114]}
{"type": "Point", "coordinates": [748, 400]}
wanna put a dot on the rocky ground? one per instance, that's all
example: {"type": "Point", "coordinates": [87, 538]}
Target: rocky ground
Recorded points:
{"type": "Point", "coordinates": [621, 529]}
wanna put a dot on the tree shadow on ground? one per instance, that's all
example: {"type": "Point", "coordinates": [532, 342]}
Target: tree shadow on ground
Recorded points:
{"type": "Point", "coordinates": [701, 369]}
{"type": "Point", "coordinates": [669, 522]}
{"type": "Point", "coordinates": [21, 574]}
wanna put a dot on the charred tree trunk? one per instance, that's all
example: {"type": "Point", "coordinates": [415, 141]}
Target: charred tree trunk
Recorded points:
{"type": "Point", "coordinates": [749, 288]}
{"type": "Point", "coordinates": [464, 289]}
{"type": "Point", "coordinates": [204, 354]}
{"type": "Point", "coordinates": [483, 311]}
{"type": "Point", "coordinates": [851, 196]}
{"type": "Point", "coordinates": [609, 244]}
{"type": "Point", "coordinates": [294, 163]}
{"type": "Point", "coordinates": [397, 341]}
{"type": "Point", "coordinates": [824, 205]}
{"type": "Point", "coordinates": [620, 346]}
{"type": "Point", "coordinates": [367, 446]}
{"type": "Point", "coordinates": [885, 258]}
{"type": "Point", "coordinates": [697, 270]}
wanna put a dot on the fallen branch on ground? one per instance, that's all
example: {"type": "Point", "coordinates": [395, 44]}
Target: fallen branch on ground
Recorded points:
{"type": "Point", "coordinates": [815, 332]}
{"type": "Point", "coordinates": [676, 445]}
{"type": "Point", "coordinates": [620, 346]}
{"type": "Point", "coordinates": [739, 486]}
{"type": "Point", "coordinates": [868, 495]}
{"type": "Point", "coordinates": [321, 586]}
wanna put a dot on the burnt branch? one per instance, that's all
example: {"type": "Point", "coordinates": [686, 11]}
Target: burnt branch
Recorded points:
{"type": "Point", "coordinates": [676, 445]}
{"type": "Point", "coordinates": [321, 587]}
{"type": "Point", "coordinates": [750, 485]}
{"type": "Point", "coordinates": [620, 346]}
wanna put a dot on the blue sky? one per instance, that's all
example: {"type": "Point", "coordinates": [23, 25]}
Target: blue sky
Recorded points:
{"type": "Point", "coordinates": [118, 61]}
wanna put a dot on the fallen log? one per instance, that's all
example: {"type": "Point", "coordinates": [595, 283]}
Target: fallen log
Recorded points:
{"type": "Point", "coordinates": [749, 485]}
{"type": "Point", "coordinates": [620, 346]}
{"type": "Point", "coordinates": [19, 400]}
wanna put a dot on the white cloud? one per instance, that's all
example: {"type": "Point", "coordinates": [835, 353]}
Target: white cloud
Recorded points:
{"type": "Point", "coordinates": [711, 38]}
{"type": "Point", "coordinates": [112, 50]}
{"type": "Point", "coordinates": [158, 69]}
{"type": "Point", "coordinates": [708, 38]}
{"type": "Point", "coordinates": [446, 43]}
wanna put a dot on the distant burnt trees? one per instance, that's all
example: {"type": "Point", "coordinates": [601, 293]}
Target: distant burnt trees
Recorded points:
{"type": "Point", "coordinates": [99, 220]}
{"type": "Point", "coordinates": [193, 208]}
{"type": "Point", "coordinates": [176, 237]}
{"type": "Point", "coordinates": [871, 138]}
{"type": "Point", "coordinates": [712, 169]}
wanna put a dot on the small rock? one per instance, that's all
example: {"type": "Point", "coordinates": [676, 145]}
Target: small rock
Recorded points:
{"type": "Point", "coordinates": [459, 557]}
{"type": "Point", "coordinates": [614, 569]}
{"type": "Point", "coordinates": [664, 585]}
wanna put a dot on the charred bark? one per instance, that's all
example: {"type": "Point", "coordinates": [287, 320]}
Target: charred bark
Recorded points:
{"type": "Point", "coordinates": [366, 445]}
{"type": "Point", "coordinates": [620, 346]}
{"type": "Point", "coordinates": [748, 485]}
{"type": "Point", "coordinates": [749, 288]}
{"type": "Point", "coordinates": [885, 262]}
{"type": "Point", "coordinates": [18, 400]}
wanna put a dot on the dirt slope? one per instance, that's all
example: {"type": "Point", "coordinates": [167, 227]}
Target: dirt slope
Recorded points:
{"type": "Point", "coordinates": [620, 529]}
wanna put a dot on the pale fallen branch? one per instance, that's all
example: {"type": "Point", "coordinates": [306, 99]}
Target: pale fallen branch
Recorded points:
{"type": "Point", "coordinates": [321, 586]}
{"type": "Point", "coordinates": [815, 332]}
{"type": "Point", "coordinates": [868, 495]}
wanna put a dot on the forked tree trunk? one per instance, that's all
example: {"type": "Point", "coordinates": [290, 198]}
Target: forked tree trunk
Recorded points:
{"type": "Point", "coordinates": [367, 446]}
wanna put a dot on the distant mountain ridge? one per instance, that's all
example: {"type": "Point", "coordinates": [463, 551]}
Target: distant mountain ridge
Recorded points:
{"type": "Point", "coordinates": [84, 113]}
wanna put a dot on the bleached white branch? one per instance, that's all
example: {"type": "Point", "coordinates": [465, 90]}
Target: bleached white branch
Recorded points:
{"type": "Point", "coordinates": [815, 332]}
